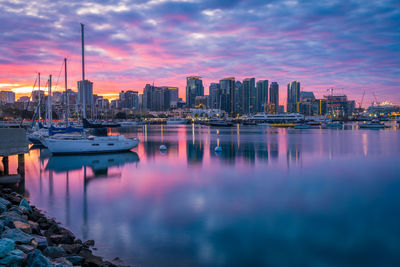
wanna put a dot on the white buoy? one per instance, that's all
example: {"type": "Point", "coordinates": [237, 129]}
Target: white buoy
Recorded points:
{"type": "Point", "coordinates": [163, 147]}
{"type": "Point", "coordinates": [218, 149]}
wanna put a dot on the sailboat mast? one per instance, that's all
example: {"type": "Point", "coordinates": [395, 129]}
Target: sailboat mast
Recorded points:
{"type": "Point", "coordinates": [49, 112]}
{"type": "Point", "coordinates": [66, 94]}
{"type": "Point", "coordinates": [39, 98]}
{"type": "Point", "coordinates": [83, 73]}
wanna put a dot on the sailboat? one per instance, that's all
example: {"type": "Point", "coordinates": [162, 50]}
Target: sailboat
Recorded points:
{"type": "Point", "coordinates": [81, 144]}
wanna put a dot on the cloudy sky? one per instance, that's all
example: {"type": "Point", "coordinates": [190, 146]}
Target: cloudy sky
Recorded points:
{"type": "Point", "coordinates": [351, 45]}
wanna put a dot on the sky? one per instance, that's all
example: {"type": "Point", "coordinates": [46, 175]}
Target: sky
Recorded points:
{"type": "Point", "coordinates": [348, 45]}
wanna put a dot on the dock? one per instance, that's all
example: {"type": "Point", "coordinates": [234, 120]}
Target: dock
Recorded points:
{"type": "Point", "coordinates": [13, 142]}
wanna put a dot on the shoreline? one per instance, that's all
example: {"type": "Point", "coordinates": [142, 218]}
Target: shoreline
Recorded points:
{"type": "Point", "coordinates": [30, 238]}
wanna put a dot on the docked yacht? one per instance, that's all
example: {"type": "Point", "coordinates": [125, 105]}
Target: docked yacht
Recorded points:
{"type": "Point", "coordinates": [176, 121]}
{"type": "Point", "coordinates": [93, 144]}
{"type": "Point", "coordinates": [374, 124]}
{"type": "Point", "coordinates": [277, 118]}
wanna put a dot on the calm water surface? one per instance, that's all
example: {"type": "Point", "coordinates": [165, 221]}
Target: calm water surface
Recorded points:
{"type": "Point", "coordinates": [277, 197]}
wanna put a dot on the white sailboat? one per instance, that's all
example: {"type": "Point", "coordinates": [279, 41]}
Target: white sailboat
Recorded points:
{"type": "Point", "coordinates": [78, 144]}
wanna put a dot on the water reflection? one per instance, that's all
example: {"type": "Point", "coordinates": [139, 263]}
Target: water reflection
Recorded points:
{"type": "Point", "coordinates": [324, 197]}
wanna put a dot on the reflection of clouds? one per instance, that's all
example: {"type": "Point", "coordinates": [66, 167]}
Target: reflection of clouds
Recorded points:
{"type": "Point", "coordinates": [167, 212]}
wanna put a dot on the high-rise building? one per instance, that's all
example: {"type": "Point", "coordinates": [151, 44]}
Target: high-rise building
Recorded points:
{"type": "Point", "coordinates": [238, 95]}
{"type": "Point", "coordinates": [129, 99]}
{"type": "Point", "coordinates": [86, 88]}
{"type": "Point", "coordinates": [262, 95]}
{"type": "Point", "coordinates": [214, 92]}
{"type": "Point", "coordinates": [249, 96]}
{"type": "Point", "coordinates": [194, 87]}
{"type": "Point", "coordinates": [227, 92]}
{"type": "Point", "coordinates": [293, 97]}
{"type": "Point", "coordinates": [7, 97]}
{"type": "Point", "coordinates": [274, 95]}
{"type": "Point", "coordinates": [173, 95]}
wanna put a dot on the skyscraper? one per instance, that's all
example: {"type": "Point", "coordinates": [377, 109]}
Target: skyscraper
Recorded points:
{"type": "Point", "coordinates": [214, 92]}
{"type": "Point", "coordinates": [293, 96]}
{"type": "Point", "coordinates": [238, 97]}
{"type": "Point", "coordinates": [274, 95]}
{"type": "Point", "coordinates": [227, 89]}
{"type": "Point", "coordinates": [262, 95]}
{"type": "Point", "coordinates": [86, 88]}
{"type": "Point", "coordinates": [7, 97]}
{"type": "Point", "coordinates": [249, 96]}
{"type": "Point", "coordinates": [194, 87]}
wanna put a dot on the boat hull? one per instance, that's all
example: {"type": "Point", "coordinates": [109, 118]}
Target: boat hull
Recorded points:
{"type": "Point", "coordinates": [86, 146]}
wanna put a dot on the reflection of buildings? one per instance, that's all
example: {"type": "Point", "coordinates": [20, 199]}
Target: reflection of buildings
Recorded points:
{"type": "Point", "coordinates": [194, 148]}
{"type": "Point", "coordinates": [293, 150]}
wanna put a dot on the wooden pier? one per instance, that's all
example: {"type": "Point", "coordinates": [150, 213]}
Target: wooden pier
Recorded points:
{"type": "Point", "coordinates": [13, 142]}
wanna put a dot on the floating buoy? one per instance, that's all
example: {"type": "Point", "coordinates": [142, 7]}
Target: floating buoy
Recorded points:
{"type": "Point", "coordinates": [163, 147]}
{"type": "Point", "coordinates": [218, 149]}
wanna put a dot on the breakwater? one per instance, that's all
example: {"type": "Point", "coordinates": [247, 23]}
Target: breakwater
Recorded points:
{"type": "Point", "coordinates": [29, 238]}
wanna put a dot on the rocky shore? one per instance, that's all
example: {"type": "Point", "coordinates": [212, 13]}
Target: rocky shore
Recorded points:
{"type": "Point", "coordinates": [29, 238]}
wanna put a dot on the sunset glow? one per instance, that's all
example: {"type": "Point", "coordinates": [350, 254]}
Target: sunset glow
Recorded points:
{"type": "Point", "coordinates": [352, 46]}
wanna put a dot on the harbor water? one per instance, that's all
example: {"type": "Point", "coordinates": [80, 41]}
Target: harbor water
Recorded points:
{"type": "Point", "coordinates": [275, 197]}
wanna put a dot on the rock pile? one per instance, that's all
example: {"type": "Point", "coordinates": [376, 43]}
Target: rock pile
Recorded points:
{"type": "Point", "coordinates": [29, 238]}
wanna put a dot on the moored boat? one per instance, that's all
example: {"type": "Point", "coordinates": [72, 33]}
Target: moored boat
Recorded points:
{"type": "Point", "coordinates": [176, 121]}
{"type": "Point", "coordinates": [374, 124]}
{"type": "Point", "coordinates": [92, 144]}
{"type": "Point", "coordinates": [302, 126]}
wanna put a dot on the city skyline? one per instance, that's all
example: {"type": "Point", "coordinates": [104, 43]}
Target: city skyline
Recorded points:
{"type": "Point", "coordinates": [347, 45]}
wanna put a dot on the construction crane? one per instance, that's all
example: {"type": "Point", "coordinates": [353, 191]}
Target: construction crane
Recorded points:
{"type": "Point", "coordinates": [376, 100]}
{"type": "Point", "coordinates": [362, 100]}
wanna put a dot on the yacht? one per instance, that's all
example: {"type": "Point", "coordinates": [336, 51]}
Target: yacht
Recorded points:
{"type": "Point", "coordinates": [374, 124]}
{"type": "Point", "coordinates": [302, 126]}
{"type": "Point", "coordinates": [277, 118]}
{"type": "Point", "coordinates": [333, 125]}
{"type": "Point", "coordinates": [73, 144]}
{"type": "Point", "coordinates": [176, 121]}
{"type": "Point", "coordinates": [220, 123]}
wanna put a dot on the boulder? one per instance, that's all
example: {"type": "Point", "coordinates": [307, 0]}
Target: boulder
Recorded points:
{"type": "Point", "coordinates": [25, 227]}
{"type": "Point", "coordinates": [14, 199]}
{"type": "Point", "coordinates": [36, 259]}
{"type": "Point", "coordinates": [13, 215]}
{"type": "Point", "coordinates": [24, 204]}
{"type": "Point", "coordinates": [12, 260]}
{"type": "Point", "coordinates": [89, 243]}
{"type": "Point", "coordinates": [26, 248]}
{"type": "Point", "coordinates": [5, 202]}
{"type": "Point", "coordinates": [41, 241]}
{"type": "Point", "coordinates": [90, 259]}
{"type": "Point", "coordinates": [34, 227]}
{"type": "Point", "coordinates": [54, 252]}
{"type": "Point", "coordinates": [61, 239]}
{"type": "Point", "coordinates": [6, 246]}
{"type": "Point", "coordinates": [62, 262]}
{"type": "Point", "coordinates": [17, 235]}
{"type": "Point", "coordinates": [75, 260]}
{"type": "Point", "coordinates": [72, 248]}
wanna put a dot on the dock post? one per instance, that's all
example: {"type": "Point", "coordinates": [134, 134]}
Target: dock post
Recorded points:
{"type": "Point", "coordinates": [21, 172]}
{"type": "Point", "coordinates": [5, 166]}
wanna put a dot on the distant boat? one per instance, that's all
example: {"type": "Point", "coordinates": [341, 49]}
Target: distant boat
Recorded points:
{"type": "Point", "coordinates": [333, 125]}
{"type": "Point", "coordinates": [92, 144]}
{"type": "Point", "coordinates": [374, 124]}
{"type": "Point", "coordinates": [277, 118]}
{"type": "Point", "coordinates": [219, 123]}
{"type": "Point", "coordinates": [176, 121]}
{"type": "Point", "coordinates": [302, 126]}
{"type": "Point", "coordinates": [128, 123]}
